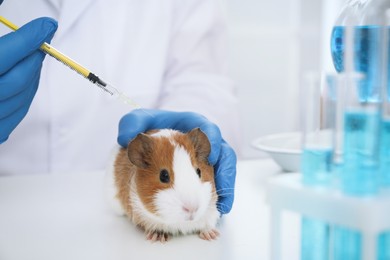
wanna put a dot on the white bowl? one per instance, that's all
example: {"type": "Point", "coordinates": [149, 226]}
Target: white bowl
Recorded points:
{"type": "Point", "coordinates": [283, 148]}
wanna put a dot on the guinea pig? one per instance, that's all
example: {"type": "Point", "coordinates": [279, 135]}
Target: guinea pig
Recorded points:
{"type": "Point", "coordinates": [163, 182]}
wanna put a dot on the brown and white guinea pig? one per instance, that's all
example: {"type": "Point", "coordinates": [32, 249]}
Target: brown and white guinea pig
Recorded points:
{"type": "Point", "coordinates": [164, 184]}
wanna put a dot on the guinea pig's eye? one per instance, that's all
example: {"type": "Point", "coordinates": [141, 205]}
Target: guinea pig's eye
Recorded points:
{"type": "Point", "coordinates": [164, 176]}
{"type": "Point", "coordinates": [198, 171]}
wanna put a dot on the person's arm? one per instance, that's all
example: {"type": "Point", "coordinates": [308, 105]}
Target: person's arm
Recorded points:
{"type": "Point", "coordinates": [20, 68]}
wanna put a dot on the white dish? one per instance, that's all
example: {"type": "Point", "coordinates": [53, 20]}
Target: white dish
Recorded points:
{"type": "Point", "coordinates": [283, 148]}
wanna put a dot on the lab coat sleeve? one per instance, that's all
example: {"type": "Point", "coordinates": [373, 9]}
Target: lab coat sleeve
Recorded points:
{"type": "Point", "coordinates": [196, 75]}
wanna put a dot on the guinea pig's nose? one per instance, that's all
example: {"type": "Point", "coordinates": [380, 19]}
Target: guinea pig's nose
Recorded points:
{"type": "Point", "coordinates": [190, 209]}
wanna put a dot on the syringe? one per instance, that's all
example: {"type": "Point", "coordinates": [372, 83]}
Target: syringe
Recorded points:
{"type": "Point", "coordinates": [47, 48]}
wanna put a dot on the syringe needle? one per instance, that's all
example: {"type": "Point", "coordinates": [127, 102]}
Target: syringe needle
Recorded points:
{"type": "Point", "coordinates": [115, 93]}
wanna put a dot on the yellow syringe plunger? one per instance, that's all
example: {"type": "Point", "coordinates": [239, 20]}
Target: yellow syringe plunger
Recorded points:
{"type": "Point", "coordinates": [47, 48]}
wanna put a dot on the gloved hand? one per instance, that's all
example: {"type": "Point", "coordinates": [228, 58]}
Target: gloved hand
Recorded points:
{"type": "Point", "coordinates": [20, 68]}
{"type": "Point", "coordinates": [222, 156]}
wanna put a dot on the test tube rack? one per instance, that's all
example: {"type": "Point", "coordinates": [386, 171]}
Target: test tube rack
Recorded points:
{"type": "Point", "coordinates": [369, 215]}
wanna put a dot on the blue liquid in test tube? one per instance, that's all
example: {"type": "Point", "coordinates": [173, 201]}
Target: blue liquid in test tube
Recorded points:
{"type": "Point", "coordinates": [384, 238]}
{"type": "Point", "coordinates": [384, 246]}
{"type": "Point", "coordinates": [385, 154]}
{"type": "Point", "coordinates": [316, 166]}
{"type": "Point", "coordinates": [359, 174]}
{"type": "Point", "coordinates": [315, 239]}
{"type": "Point", "coordinates": [347, 244]}
{"type": "Point", "coordinates": [361, 158]}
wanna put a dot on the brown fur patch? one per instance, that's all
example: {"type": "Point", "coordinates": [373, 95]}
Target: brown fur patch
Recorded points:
{"type": "Point", "coordinates": [123, 172]}
{"type": "Point", "coordinates": [148, 179]}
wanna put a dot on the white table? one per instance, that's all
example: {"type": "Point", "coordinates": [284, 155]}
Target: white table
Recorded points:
{"type": "Point", "coordinates": [66, 217]}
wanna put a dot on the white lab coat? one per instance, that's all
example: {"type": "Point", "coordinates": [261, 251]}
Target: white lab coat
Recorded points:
{"type": "Point", "coordinates": [166, 54]}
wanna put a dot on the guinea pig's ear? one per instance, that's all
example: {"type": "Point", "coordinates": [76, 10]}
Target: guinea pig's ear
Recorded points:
{"type": "Point", "coordinates": [140, 150]}
{"type": "Point", "coordinates": [201, 144]}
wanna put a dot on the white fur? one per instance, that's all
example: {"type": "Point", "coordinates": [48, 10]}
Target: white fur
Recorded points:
{"type": "Point", "coordinates": [164, 133]}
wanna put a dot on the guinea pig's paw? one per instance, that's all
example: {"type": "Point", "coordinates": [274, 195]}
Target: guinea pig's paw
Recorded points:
{"type": "Point", "coordinates": [156, 236]}
{"type": "Point", "coordinates": [209, 234]}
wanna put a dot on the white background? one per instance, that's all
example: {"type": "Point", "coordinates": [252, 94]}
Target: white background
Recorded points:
{"type": "Point", "coordinates": [271, 45]}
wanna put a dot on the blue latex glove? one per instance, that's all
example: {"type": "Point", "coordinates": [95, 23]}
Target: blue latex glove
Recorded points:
{"type": "Point", "coordinates": [222, 156]}
{"type": "Point", "coordinates": [20, 68]}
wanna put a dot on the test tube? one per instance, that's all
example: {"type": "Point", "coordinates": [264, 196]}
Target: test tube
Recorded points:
{"type": "Point", "coordinates": [317, 128]}
{"type": "Point", "coordinates": [360, 141]}
{"type": "Point", "coordinates": [359, 126]}
{"type": "Point", "coordinates": [317, 117]}
{"type": "Point", "coordinates": [384, 237]}
{"type": "Point", "coordinates": [385, 127]}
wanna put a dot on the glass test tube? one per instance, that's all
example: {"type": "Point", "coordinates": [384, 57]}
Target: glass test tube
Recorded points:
{"type": "Point", "coordinates": [360, 126]}
{"type": "Point", "coordinates": [360, 141]}
{"type": "Point", "coordinates": [317, 141]}
{"type": "Point", "coordinates": [385, 127]}
{"type": "Point", "coordinates": [384, 237]}
{"type": "Point", "coordinates": [317, 117]}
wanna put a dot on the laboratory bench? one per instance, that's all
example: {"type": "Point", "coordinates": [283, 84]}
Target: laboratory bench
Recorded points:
{"type": "Point", "coordinates": [66, 216]}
